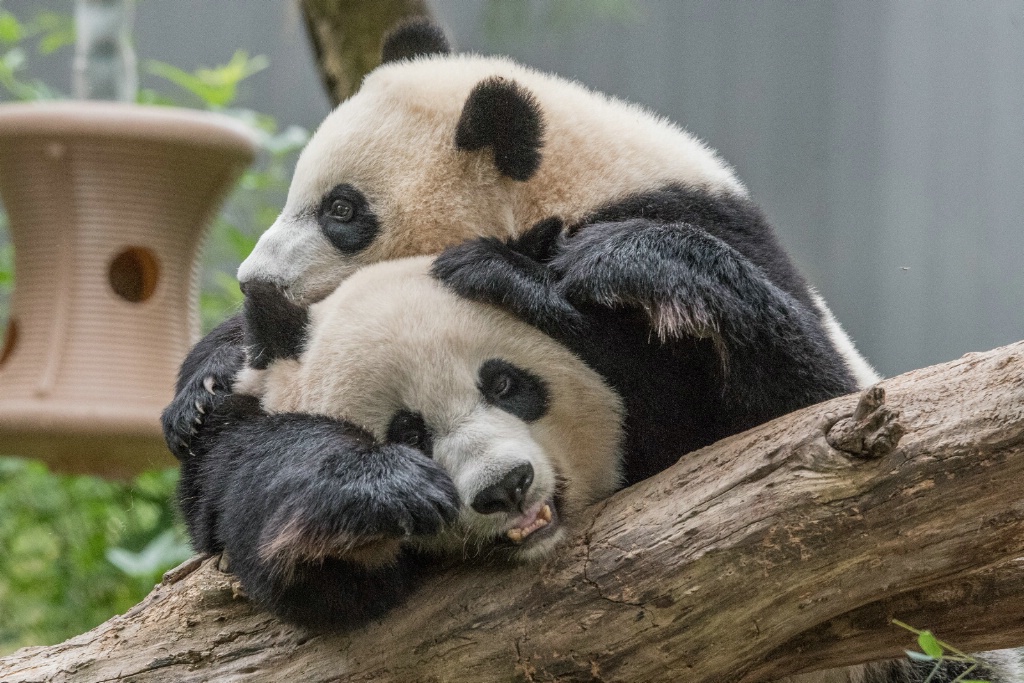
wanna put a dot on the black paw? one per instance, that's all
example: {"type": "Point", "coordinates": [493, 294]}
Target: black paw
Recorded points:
{"type": "Point", "coordinates": [687, 282]}
{"type": "Point", "coordinates": [512, 275]}
{"type": "Point", "coordinates": [186, 415]}
{"type": "Point", "coordinates": [390, 493]}
{"type": "Point", "coordinates": [402, 493]}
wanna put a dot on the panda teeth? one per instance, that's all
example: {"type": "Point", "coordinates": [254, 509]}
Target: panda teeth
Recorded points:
{"type": "Point", "coordinates": [518, 534]}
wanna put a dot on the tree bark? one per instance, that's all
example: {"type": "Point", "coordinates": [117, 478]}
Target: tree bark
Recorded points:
{"type": "Point", "coordinates": [347, 34]}
{"type": "Point", "coordinates": [767, 554]}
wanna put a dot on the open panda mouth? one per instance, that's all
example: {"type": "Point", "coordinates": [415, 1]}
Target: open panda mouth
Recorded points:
{"type": "Point", "coordinates": [540, 520]}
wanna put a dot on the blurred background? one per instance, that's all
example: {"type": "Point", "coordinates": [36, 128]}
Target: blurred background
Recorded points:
{"type": "Point", "coordinates": [884, 139]}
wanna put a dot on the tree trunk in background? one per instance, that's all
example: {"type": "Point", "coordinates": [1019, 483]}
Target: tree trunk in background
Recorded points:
{"type": "Point", "coordinates": [347, 34]}
{"type": "Point", "coordinates": [782, 550]}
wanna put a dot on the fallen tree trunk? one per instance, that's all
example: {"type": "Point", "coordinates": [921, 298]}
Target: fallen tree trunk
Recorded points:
{"type": "Point", "coordinates": [770, 553]}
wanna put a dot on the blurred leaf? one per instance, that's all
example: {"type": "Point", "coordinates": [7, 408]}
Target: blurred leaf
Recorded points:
{"type": "Point", "coordinates": [216, 87]}
{"type": "Point", "coordinates": [918, 657]}
{"type": "Point", "coordinates": [149, 96]}
{"type": "Point", "coordinates": [929, 645]}
{"type": "Point", "coordinates": [55, 31]}
{"type": "Point", "coordinates": [11, 30]}
{"type": "Point", "coordinates": [164, 551]}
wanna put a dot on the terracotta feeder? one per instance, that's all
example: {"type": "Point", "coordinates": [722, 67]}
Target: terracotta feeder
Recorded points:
{"type": "Point", "coordinates": [107, 205]}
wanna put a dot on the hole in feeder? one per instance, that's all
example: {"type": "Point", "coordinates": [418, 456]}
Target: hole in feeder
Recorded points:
{"type": "Point", "coordinates": [133, 274]}
{"type": "Point", "coordinates": [10, 340]}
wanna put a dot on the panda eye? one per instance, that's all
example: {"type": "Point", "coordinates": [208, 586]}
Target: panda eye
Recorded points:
{"type": "Point", "coordinates": [409, 428]}
{"type": "Point", "coordinates": [347, 219]}
{"type": "Point", "coordinates": [342, 210]}
{"type": "Point", "coordinates": [513, 389]}
{"type": "Point", "coordinates": [502, 385]}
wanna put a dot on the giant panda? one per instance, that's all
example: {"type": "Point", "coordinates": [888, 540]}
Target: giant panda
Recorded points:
{"type": "Point", "coordinates": [436, 148]}
{"type": "Point", "coordinates": [509, 430]}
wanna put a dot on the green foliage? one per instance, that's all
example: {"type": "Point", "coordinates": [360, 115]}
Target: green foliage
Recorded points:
{"type": "Point", "coordinates": [76, 550]}
{"type": "Point", "coordinates": [217, 87]}
{"type": "Point", "coordinates": [50, 31]}
{"type": "Point", "coordinates": [936, 652]}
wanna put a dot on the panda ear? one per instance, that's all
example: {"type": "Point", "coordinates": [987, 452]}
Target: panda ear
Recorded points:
{"type": "Point", "coordinates": [414, 38]}
{"type": "Point", "coordinates": [504, 116]}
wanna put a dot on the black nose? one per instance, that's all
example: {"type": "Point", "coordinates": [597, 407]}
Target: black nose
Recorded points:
{"type": "Point", "coordinates": [508, 494]}
{"type": "Point", "coordinates": [257, 287]}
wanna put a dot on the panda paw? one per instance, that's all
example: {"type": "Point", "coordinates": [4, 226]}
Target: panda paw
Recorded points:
{"type": "Point", "coordinates": [686, 281]}
{"type": "Point", "coordinates": [186, 415]}
{"type": "Point", "coordinates": [362, 509]}
{"type": "Point", "coordinates": [512, 275]}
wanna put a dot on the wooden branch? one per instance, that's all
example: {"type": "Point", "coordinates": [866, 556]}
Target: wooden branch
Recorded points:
{"type": "Point", "coordinates": [767, 554]}
{"type": "Point", "coordinates": [347, 34]}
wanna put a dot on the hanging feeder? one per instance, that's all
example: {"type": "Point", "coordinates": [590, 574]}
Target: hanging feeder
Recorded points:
{"type": "Point", "coordinates": [107, 205]}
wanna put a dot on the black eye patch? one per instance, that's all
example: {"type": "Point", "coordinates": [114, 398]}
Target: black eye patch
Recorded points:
{"type": "Point", "coordinates": [346, 219]}
{"type": "Point", "coordinates": [513, 389]}
{"type": "Point", "coordinates": [409, 428]}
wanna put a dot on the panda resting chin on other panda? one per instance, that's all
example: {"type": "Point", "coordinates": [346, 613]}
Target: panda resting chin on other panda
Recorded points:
{"type": "Point", "coordinates": [479, 435]}
{"type": "Point", "coordinates": [437, 148]}
{"type": "Point", "coordinates": [604, 228]}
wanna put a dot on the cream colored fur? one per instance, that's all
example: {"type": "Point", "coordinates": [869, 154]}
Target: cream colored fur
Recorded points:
{"type": "Point", "coordinates": [394, 141]}
{"type": "Point", "coordinates": [392, 338]}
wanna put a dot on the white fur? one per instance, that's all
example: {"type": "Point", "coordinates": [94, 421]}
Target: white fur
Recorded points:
{"type": "Point", "coordinates": [392, 338]}
{"type": "Point", "coordinates": [859, 367]}
{"type": "Point", "coordinates": [394, 140]}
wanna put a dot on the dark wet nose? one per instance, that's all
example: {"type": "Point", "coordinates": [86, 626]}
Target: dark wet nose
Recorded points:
{"type": "Point", "coordinates": [508, 494]}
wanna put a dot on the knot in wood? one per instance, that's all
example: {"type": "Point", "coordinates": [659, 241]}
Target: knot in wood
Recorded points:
{"type": "Point", "coordinates": [873, 431]}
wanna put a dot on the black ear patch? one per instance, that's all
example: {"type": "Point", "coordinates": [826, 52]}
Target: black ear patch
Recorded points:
{"type": "Point", "coordinates": [503, 115]}
{"type": "Point", "coordinates": [414, 38]}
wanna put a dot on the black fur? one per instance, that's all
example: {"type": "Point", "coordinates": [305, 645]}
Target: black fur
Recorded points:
{"type": "Point", "coordinates": [352, 235]}
{"type": "Point", "coordinates": [275, 328]}
{"type": "Point", "coordinates": [517, 391]}
{"type": "Point", "coordinates": [736, 350]}
{"type": "Point", "coordinates": [414, 38]}
{"type": "Point", "coordinates": [215, 361]}
{"type": "Point", "coordinates": [306, 480]}
{"type": "Point", "coordinates": [504, 116]}
{"type": "Point", "coordinates": [733, 219]}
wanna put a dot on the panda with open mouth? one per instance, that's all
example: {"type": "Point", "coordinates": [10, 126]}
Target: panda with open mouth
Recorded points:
{"type": "Point", "coordinates": [611, 300]}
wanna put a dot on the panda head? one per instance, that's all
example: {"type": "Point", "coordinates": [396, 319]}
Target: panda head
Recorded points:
{"type": "Point", "coordinates": [420, 158]}
{"type": "Point", "coordinates": [528, 433]}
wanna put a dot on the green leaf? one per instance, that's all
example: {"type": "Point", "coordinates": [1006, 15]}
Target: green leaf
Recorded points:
{"type": "Point", "coordinates": [929, 645]}
{"type": "Point", "coordinates": [55, 31]}
{"type": "Point", "coordinates": [160, 554]}
{"type": "Point", "coordinates": [11, 30]}
{"type": "Point", "coordinates": [216, 87]}
{"type": "Point", "coordinates": [918, 657]}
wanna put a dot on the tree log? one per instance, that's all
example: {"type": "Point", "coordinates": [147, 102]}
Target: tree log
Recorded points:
{"type": "Point", "coordinates": [767, 554]}
{"type": "Point", "coordinates": [347, 34]}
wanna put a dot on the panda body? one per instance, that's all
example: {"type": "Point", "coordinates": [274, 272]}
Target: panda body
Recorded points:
{"type": "Point", "coordinates": [442, 148]}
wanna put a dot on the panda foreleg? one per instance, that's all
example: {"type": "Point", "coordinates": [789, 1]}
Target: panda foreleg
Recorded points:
{"type": "Point", "coordinates": [312, 512]}
{"type": "Point", "coordinates": [203, 381]}
{"type": "Point", "coordinates": [513, 275]}
{"type": "Point", "coordinates": [774, 353]}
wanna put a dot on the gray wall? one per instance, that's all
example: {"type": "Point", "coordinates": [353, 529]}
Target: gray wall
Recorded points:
{"type": "Point", "coordinates": [884, 139]}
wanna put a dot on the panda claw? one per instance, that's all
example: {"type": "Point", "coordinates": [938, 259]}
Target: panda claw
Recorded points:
{"type": "Point", "coordinates": [200, 408]}
{"type": "Point", "coordinates": [210, 384]}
